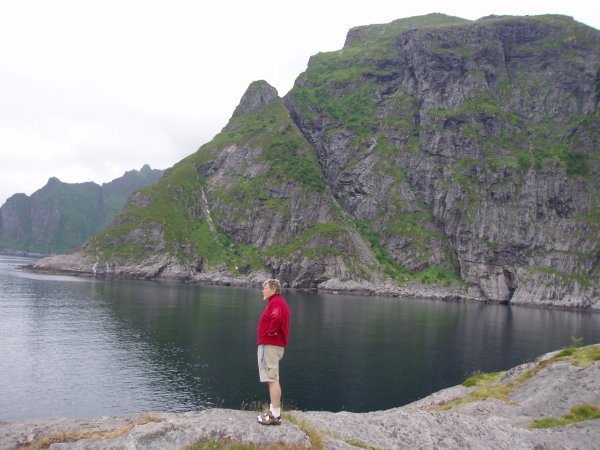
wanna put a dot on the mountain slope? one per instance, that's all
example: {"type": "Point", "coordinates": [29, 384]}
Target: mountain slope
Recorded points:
{"type": "Point", "coordinates": [430, 149]}
{"type": "Point", "coordinates": [61, 216]}
{"type": "Point", "coordinates": [252, 199]}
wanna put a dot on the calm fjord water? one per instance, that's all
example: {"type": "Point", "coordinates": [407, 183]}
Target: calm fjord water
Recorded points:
{"type": "Point", "coordinates": [87, 347]}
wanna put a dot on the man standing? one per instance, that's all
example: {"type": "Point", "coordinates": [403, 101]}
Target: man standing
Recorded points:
{"type": "Point", "coordinates": [273, 330]}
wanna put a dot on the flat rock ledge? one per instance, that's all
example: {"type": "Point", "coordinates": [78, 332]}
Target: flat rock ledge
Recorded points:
{"type": "Point", "coordinates": [483, 424]}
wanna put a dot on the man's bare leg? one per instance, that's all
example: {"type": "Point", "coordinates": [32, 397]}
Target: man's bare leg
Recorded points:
{"type": "Point", "coordinates": [275, 394]}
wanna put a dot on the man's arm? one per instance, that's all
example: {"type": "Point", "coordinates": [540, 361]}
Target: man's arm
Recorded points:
{"type": "Point", "coordinates": [276, 321]}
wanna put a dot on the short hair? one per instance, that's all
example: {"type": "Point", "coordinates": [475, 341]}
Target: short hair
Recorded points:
{"type": "Point", "coordinates": [274, 285]}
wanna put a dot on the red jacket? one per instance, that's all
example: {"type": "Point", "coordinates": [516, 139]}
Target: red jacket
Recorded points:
{"type": "Point", "coordinates": [274, 323]}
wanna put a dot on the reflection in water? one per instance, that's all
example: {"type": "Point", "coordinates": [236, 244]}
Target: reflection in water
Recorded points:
{"type": "Point", "coordinates": [87, 347]}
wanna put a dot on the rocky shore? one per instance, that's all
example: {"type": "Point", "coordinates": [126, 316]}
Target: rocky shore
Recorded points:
{"type": "Point", "coordinates": [164, 269]}
{"type": "Point", "coordinates": [498, 413]}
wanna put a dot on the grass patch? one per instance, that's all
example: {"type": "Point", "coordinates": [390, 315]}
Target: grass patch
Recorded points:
{"type": "Point", "coordinates": [435, 274]}
{"type": "Point", "coordinates": [409, 226]}
{"type": "Point", "coordinates": [316, 441]}
{"type": "Point", "coordinates": [482, 378]}
{"type": "Point", "coordinates": [578, 413]}
{"type": "Point", "coordinates": [390, 268]}
{"type": "Point", "coordinates": [583, 357]}
{"type": "Point", "coordinates": [93, 434]}
{"type": "Point", "coordinates": [489, 386]}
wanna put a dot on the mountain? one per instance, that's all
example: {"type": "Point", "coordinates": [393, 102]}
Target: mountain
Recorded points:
{"type": "Point", "coordinates": [428, 152]}
{"type": "Point", "coordinates": [61, 216]}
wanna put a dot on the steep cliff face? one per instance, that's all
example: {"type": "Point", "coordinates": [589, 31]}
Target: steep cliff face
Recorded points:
{"type": "Point", "coordinates": [474, 145]}
{"type": "Point", "coordinates": [62, 216]}
{"type": "Point", "coordinates": [430, 149]}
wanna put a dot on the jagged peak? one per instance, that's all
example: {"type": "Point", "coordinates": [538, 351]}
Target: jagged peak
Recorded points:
{"type": "Point", "coordinates": [146, 169]}
{"type": "Point", "coordinates": [258, 94]}
{"type": "Point", "coordinates": [53, 181]}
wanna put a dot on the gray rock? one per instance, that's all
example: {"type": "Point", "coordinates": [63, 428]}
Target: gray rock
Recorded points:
{"type": "Point", "coordinates": [165, 431]}
{"type": "Point", "coordinates": [482, 424]}
{"type": "Point", "coordinates": [258, 94]}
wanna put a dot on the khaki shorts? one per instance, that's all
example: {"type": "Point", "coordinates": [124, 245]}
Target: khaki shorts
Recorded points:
{"type": "Point", "coordinates": [268, 362]}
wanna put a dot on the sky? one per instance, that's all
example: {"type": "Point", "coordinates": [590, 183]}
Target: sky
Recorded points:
{"type": "Point", "coordinates": [91, 89]}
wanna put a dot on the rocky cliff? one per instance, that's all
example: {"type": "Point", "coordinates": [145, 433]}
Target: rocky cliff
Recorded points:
{"type": "Point", "coordinates": [553, 402]}
{"type": "Point", "coordinates": [430, 150]}
{"type": "Point", "coordinates": [62, 216]}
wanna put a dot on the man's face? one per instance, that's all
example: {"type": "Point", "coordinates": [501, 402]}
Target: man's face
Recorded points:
{"type": "Point", "coordinates": [267, 292]}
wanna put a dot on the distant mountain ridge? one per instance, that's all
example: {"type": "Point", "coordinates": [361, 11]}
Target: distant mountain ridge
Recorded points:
{"type": "Point", "coordinates": [430, 150]}
{"type": "Point", "coordinates": [61, 216]}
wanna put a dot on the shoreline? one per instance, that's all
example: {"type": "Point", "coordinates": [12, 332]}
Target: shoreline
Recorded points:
{"type": "Point", "coordinates": [9, 252]}
{"type": "Point", "coordinates": [409, 291]}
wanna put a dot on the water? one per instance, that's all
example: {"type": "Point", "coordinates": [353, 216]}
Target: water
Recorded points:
{"type": "Point", "coordinates": [87, 347]}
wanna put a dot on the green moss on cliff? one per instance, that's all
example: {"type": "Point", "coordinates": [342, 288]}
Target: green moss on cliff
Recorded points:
{"type": "Point", "coordinates": [328, 232]}
{"type": "Point", "coordinates": [283, 146]}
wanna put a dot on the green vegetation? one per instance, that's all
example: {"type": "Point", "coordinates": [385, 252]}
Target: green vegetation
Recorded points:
{"type": "Point", "coordinates": [577, 164]}
{"type": "Point", "coordinates": [439, 275]}
{"type": "Point", "coordinates": [355, 109]}
{"type": "Point", "coordinates": [344, 85]}
{"type": "Point", "coordinates": [492, 386]}
{"type": "Point", "coordinates": [519, 142]}
{"type": "Point", "coordinates": [329, 231]}
{"type": "Point", "coordinates": [284, 148]}
{"type": "Point", "coordinates": [409, 227]}
{"type": "Point", "coordinates": [579, 356]}
{"type": "Point", "coordinates": [390, 268]}
{"type": "Point", "coordinates": [578, 413]}
{"type": "Point", "coordinates": [383, 34]}
{"type": "Point", "coordinates": [316, 441]}
{"type": "Point", "coordinates": [287, 162]}
{"type": "Point", "coordinates": [482, 378]}
{"type": "Point", "coordinates": [61, 216]}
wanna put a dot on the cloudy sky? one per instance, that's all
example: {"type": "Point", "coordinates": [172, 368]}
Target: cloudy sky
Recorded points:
{"type": "Point", "coordinates": [90, 89]}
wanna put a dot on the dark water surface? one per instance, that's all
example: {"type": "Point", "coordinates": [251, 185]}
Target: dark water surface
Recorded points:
{"type": "Point", "coordinates": [85, 347]}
